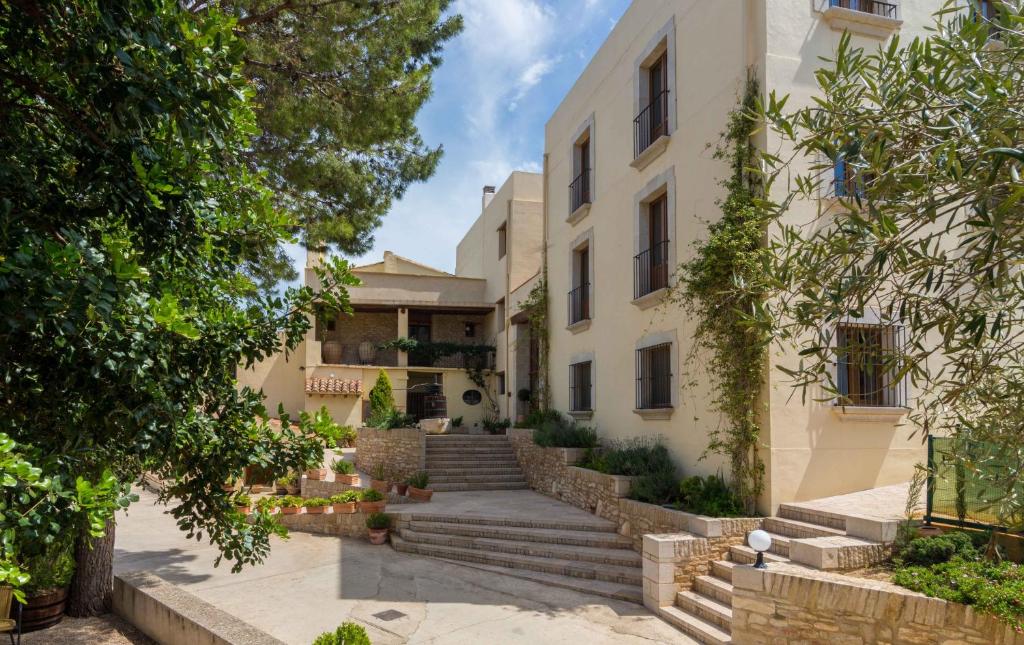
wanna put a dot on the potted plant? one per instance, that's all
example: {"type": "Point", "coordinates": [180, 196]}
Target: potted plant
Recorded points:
{"type": "Point", "coordinates": [344, 472]}
{"type": "Point", "coordinates": [371, 501]}
{"type": "Point", "coordinates": [288, 484]}
{"type": "Point", "coordinates": [379, 478]}
{"type": "Point", "coordinates": [268, 504]}
{"type": "Point", "coordinates": [242, 503]}
{"type": "Point", "coordinates": [378, 525]}
{"type": "Point", "coordinates": [316, 474]}
{"type": "Point", "coordinates": [50, 567]}
{"type": "Point", "coordinates": [418, 487]}
{"type": "Point", "coordinates": [230, 484]}
{"type": "Point", "coordinates": [290, 504]}
{"type": "Point", "coordinates": [345, 501]}
{"type": "Point", "coordinates": [316, 505]}
{"type": "Point", "coordinates": [401, 488]}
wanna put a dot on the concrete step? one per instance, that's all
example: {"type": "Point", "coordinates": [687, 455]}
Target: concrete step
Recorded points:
{"type": "Point", "coordinates": [697, 628]}
{"type": "Point", "coordinates": [723, 569]}
{"type": "Point", "coordinates": [745, 555]}
{"type": "Point", "coordinates": [569, 537]}
{"type": "Point", "coordinates": [484, 470]}
{"type": "Point", "coordinates": [470, 464]}
{"type": "Point", "coordinates": [812, 516]}
{"type": "Point", "coordinates": [490, 450]}
{"type": "Point", "coordinates": [705, 608]}
{"type": "Point", "coordinates": [798, 529]}
{"type": "Point", "coordinates": [470, 478]}
{"type": "Point", "coordinates": [615, 591]}
{"type": "Point", "coordinates": [576, 523]}
{"type": "Point", "coordinates": [570, 568]}
{"type": "Point", "coordinates": [780, 544]}
{"type": "Point", "coordinates": [622, 556]}
{"type": "Point", "coordinates": [454, 486]}
{"type": "Point", "coordinates": [462, 438]}
{"type": "Point", "coordinates": [714, 588]}
{"type": "Point", "coordinates": [463, 457]}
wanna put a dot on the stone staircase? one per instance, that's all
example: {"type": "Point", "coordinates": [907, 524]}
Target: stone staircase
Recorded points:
{"type": "Point", "coordinates": [705, 611]}
{"type": "Point", "coordinates": [472, 462]}
{"type": "Point", "coordinates": [582, 554]}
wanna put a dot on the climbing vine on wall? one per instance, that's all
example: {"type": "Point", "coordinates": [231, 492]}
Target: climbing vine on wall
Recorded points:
{"type": "Point", "coordinates": [722, 286]}
{"type": "Point", "coordinates": [536, 304]}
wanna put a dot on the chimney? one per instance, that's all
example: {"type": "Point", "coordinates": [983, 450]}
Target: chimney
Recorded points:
{"type": "Point", "coordinates": [487, 197]}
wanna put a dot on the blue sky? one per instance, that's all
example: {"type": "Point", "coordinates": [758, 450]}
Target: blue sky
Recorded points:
{"type": "Point", "coordinates": [501, 80]}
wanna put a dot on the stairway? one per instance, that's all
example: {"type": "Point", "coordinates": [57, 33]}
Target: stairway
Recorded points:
{"type": "Point", "coordinates": [584, 554]}
{"type": "Point", "coordinates": [472, 462]}
{"type": "Point", "coordinates": [705, 611]}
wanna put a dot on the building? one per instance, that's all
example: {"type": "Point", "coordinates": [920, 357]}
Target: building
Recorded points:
{"type": "Point", "coordinates": [339, 360]}
{"type": "Point", "coordinates": [630, 185]}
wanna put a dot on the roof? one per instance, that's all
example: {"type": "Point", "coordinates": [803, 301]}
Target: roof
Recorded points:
{"type": "Point", "coordinates": [397, 264]}
{"type": "Point", "coordinates": [334, 386]}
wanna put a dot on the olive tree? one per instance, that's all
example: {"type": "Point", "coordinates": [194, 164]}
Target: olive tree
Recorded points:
{"type": "Point", "coordinates": [928, 232]}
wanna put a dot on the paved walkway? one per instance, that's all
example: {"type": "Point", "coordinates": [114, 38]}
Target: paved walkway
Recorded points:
{"type": "Point", "coordinates": [884, 502]}
{"type": "Point", "coordinates": [312, 583]}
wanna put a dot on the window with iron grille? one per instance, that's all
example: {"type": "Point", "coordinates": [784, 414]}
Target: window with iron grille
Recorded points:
{"type": "Point", "coordinates": [875, 7]}
{"type": "Point", "coordinates": [650, 267]}
{"type": "Point", "coordinates": [579, 297]}
{"type": "Point", "coordinates": [868, 364]}
{"type": "Point", "coordinates": [579, 189]}
{"type": "Point", "coordinates": [652, 121]}
{"type": "Point", "coordinates": [580, 387]}
{"type": "Point", "coordinates": [654, 377]}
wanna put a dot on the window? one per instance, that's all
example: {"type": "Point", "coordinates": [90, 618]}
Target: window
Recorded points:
{"type": "Point", "coordinates": [471, 330]}
{"type": "Point", "coordinates": [501, 383]}
{"type": "Point", "coordinates": [652, 121]}
{"type": "Point", "coordinates": [884, 9]}
{"type": "Point", "coordinates": [579, 189]}
{"type": "Point", "coordinates": [580, 387]}
{"type": "Point", "coordinates": [867, 357]}
{"type": "Point", "coordinates": [654, 377]}
{"type": "Point", "coordinates": [849, 181]}
{"type": "Point", "coordinates": [330, 324]}
{"type": "Point", "coordinates": [579, 297]}
{"type": "Point", "coordinates": [650, 266]}
{"type": "Point", "coordinates": [502, 240]}
{"type": "Point", "coordinates": [499, 316]}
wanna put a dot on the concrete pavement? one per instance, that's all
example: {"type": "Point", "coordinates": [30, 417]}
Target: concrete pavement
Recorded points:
{"type": "Point", "coordinates": [312, 583]}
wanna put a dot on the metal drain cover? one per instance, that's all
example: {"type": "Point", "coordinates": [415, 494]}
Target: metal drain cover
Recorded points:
{"type": "Point", "coordinates": [391, 614]}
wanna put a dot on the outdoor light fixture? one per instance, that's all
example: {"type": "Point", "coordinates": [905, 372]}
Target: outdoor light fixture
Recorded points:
{"type": "Point", "coordinates": [760, 541]}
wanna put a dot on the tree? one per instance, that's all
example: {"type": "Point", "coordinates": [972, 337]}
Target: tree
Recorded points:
{"type": "Point", "coordinates": [338, 86]}
{"type": "Point", "coordinates": [382, 401]}
{"type": "Point", "coordinates": [127, 217]}
{"type": "Point", "coordinates": [930, 234]}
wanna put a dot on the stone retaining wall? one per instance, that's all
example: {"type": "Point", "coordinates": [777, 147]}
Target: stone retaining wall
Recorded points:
{"type": "Point", "coordinates": [403, 451]}
{"type": "Point", "coordinates": [551, 471]}
{"type": "Point", "coordinates": [789, 604]}
{"type": "Point", "coordinates": [344, 524]}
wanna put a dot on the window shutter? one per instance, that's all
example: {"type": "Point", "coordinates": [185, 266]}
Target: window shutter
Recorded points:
{"type": "Point", "coordinates": [839, 179]}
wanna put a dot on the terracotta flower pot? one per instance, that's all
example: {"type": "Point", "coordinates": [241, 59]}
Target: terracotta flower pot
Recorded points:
{"type": "Point", "coordinates": [401, 489]}
{"type": "Point", "coordinates": [378, 536]}
{"type": "Point", "coordinates": [380, 485]}
{"type": "Point", "coordinates": [347, 507]}
{"type": "Point", "coordinates": [371, 507]}
{"type": "Point", "coordinates": [315, 510]}
{"type": "Point", "coordinates": [351, 480]}
{"type": "Point", "coordinates": [244, 510]}
{"type": "Point", "coordinates": [227, 488]}
{"type": "Point", "coordinates": [290, 510]}
{"type": "Point", "coordinates": [420, 494]}
{"type": "Point", "coordinates": [317, 474]}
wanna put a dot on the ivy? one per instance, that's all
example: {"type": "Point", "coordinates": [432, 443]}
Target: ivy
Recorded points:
{"type": "Point", "coordinates": [536, 304]}
{"type": "Point", "coordinates": [722, 287]}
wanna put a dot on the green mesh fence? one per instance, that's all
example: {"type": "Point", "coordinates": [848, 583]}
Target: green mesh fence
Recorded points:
{"type": "Point", "coordinates": [955, 492]}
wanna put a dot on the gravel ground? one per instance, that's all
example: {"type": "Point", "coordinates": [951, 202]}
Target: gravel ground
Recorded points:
{"type": "Point", "coordinates": [101, 630]}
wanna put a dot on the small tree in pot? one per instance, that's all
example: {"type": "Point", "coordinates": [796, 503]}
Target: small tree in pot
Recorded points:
{"type": "Point", "coordinates": [378, 525]}
{"type": "Point", "coordinates": [418, 490]}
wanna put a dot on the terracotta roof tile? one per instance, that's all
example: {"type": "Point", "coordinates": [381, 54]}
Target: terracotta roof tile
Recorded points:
{"type": "Point", "coordinates": [327, 386]}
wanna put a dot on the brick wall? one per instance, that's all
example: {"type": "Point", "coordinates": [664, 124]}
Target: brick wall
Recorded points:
{"type": "Point", "coordinates": [402, 451]}
{"type": "Point", "coordinates": [788, 604]}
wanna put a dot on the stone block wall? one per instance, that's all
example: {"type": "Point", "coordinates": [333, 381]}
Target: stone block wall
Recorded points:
{"type": "Point", "coordinates": [789, 604]}
{"type": "Point", "coordinates": [403, 451]}
{"type": "Point", "coordinates": [344, 524]}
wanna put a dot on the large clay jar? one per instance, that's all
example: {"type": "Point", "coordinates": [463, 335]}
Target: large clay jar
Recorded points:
{"type": "Point", "coordinates": [331, 350]}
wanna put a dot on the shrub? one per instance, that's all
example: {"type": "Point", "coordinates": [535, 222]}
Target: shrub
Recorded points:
{"type": "Point", "coordinates": [288, 480]}
{"type": "Point", "coordinates": [709, 495]}
{"type": "Point", "coordinates": [290, 501]}
{"type": "Point", "coordinates": [937, 550]}
{"type": "Point", "coordinates": [457, 422]}
{"type": "Point", "coordinates": [378, 521]}
{"type": "Point", "coordinates": [646, 460]}
{"type": "Point", "coordinates": [419, 480]}
{"type": "Point", "coordinates": [342, 467]}
{"type": "Point", "coordinates": [370, 495]}
{"type": "Point", "coordinates": [658, 487]}
{"type": "Point", "coordinates": [52, 565]}
{"type": "Point", "coordinates": [345, 497]}
{"type": "Point", "coordinates": [391, 419]}
{"type": "Point", "coordinates": [346, 634]}
{"type": "Point", "coordinates": [538, 417]}
{"type": "Point", "coordinates": [556, 432]}
{"type": "Point", "coordinates": [316, 501]}
{"type": "Point", "coordinates": [995, 588]}
{"type": "Point", "coordinates": [241, 499]}
{"type": "Point", "coordinates": [382, 401]}
{"type": "Point", "coordinates": [496, 426]}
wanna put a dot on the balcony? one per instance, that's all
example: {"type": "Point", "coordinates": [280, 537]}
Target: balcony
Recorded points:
{"type": "Point", "coordinates": [650, 131]}
{"type": "Point", "coordinates": [650, 270]}
{"type": "Point", "coordinates": [334, 352]}
{"type": "Point", "coordinates": [865, 17]}
{"type": "Point", "coordinates": [579, 195]}
{"type": "Point", "coordinates": [579, 304]}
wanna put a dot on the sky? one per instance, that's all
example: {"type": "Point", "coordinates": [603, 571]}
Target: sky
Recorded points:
{"type": "Point", "coordinates": [501, 80]}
